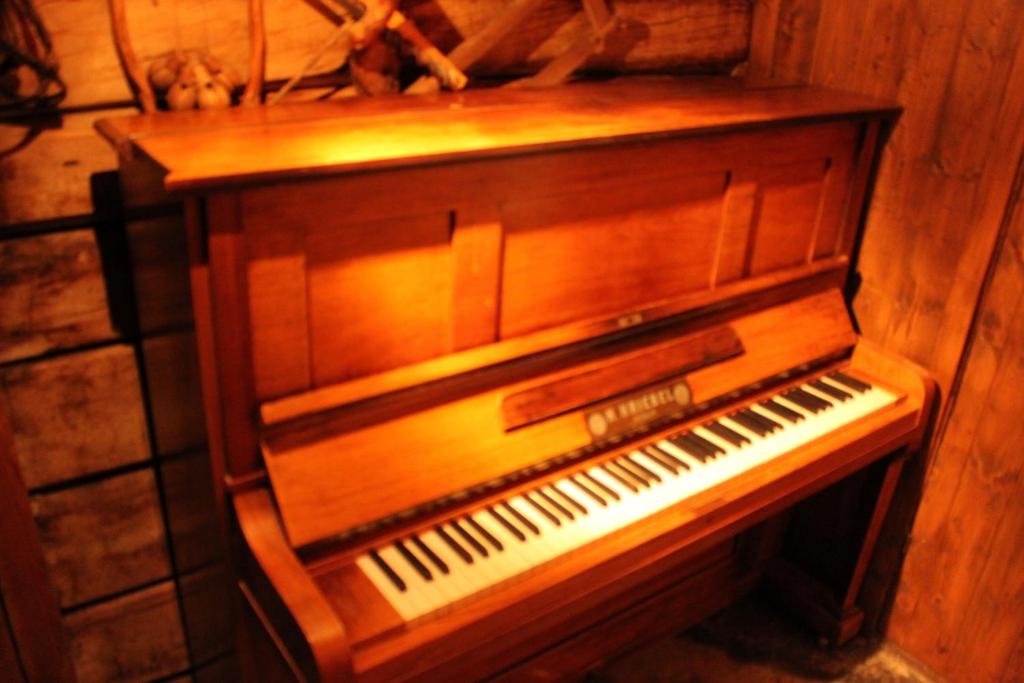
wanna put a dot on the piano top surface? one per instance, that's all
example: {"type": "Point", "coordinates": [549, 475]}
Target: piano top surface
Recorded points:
{"type": "Point", "coordinates": [202, 150]}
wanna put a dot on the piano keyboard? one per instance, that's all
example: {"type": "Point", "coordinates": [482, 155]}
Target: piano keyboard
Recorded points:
{"type": "Point", "coordinates": [462, 556]}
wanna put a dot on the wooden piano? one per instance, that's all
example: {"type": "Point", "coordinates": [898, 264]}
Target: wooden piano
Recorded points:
{"type": "Point", "coordinates": [499, 382]}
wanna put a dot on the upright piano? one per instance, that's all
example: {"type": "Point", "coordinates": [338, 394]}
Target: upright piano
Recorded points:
{"type": "Point", "coordinates": [499, 383]}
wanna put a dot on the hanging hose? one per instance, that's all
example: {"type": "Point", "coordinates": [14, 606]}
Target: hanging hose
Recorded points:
{"type": "Point", "coordinates": [29, 77]}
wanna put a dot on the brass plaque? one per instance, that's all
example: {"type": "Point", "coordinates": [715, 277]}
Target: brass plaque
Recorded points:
{"type": "Point", "coordinates": [638, 409]}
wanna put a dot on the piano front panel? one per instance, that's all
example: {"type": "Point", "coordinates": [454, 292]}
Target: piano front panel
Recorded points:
{"type": "Point", "coordinates": [380, 294]}
{"type": "Point", "coordinates": [466, 254]}
{"type": "Point", "coordinates": [584, 254]}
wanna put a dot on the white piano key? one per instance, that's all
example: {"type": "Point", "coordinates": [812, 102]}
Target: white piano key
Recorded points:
{"type": "Point", "coordinates": [397, 598]}
{"type": "Point", "coordinates": [480, 567]}
{"type": "Point", "coordinates": [458, 581]}
{"type": "Point", "coordinates": [438, 582]}
{"type": "Point", "coordinates": [418, 599]}
{"type": "Point", "coordinates": [510, 558]}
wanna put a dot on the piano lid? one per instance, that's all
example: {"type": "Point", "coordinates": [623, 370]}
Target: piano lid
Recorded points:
{"type": "Point", "coordinates": [205, 149]}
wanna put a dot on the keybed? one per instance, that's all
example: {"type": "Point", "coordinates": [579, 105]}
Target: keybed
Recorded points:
{"type": "Point", "coordinates": [465, 555]}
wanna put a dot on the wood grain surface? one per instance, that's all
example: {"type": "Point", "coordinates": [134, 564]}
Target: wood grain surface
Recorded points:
{"type": "Point", "coordinates": [958, 604]}
{"type": "Point", "coordinates": [102, 538]}
{"type": "Point", "coordinates": [942, 202]}
{"type": "Point", "coordinates": [46, 167]}
{"type": "Point", "coordinates": [135, 637]}
{"type": "Point", "coordinates": [203, 153]}
{"type": "Point", "coordinates": [191, 510]}
{"type": "Point", "coordinates": [159, 265]}
{"type": "Point", "coordinates": [174, 397]}
{"type": "Point", "coordinates": [76, 414]}
{"type": "Point", "coordinates": [52, 294]}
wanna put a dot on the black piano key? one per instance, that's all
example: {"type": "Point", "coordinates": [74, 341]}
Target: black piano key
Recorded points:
{"type": "Point", "coordinates": [852, 382]}
{"type": "Point", "coordinates": [600, 486]}
{"type": "Point", "coordinates": [469, 538]}
{"type": "Point", "coordinates": [590, 492]}
{"type": "Point", "coordinates": [488, 536]}
{"type": "Point", "coordinates": [683, 442]}
{"type": "Point", "coordinates": [566, 512]}
{"type": "Point", "coordinates": [764, 419]}
{"type": "Point", "coordinates": [388, 571]}
{"type": "Point", "coordinates": [667, 457]}
{"type": "Point", "coordinates": [618, 478]}
{"type": "Point", "coordinates": [645, 471]}
{"type": "Point", "coordinates": [420, 568]}
{"type": "Point", "coordinates": [431, 555]}
{"type": "Point", "coordinates": [521, 518]}
{"type": "Point", "coordinates": [548, 514]}
{"type": "Point", "coordinates": [512, 529]}
{"type": "Point", "coordinates": [834, 392]}
{"type": "Point", "coordinates": [723, 432]}
{"type": "Point", "coordinates": [652, 455]}
{"type": "Point", "coordinates": [782, 411]}
{"type": "Point", "coordinates": [713, 448]}
{"type": "Point", "coordinates": [805, 400]}
{"type": "Point", "coordinates": [638, 478]}
{"type": "Point", "coordinates": [453, 544]}
{"type": "Point", "coordinates": [824, 402]}
{"type": "Point", "coordinates": [570, 500]}
{"type": "Point", "coordinates": [750, 423]}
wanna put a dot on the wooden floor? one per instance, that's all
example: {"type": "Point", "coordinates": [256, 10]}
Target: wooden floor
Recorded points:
{"type": "Point", "coordinates": [752, 642]}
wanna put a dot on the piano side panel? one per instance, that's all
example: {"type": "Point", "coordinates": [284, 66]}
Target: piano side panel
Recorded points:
{"type": "Point", "coordinates": [326, 482]}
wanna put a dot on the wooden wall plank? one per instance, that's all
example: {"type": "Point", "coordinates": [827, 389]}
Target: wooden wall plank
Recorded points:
{"type": "Point", "coordinates": [45, 171]}
{"type": "Point", "coordinates": [209, 614]}
{"type": "Point", "coordinates": [159, 262]}
{"type": "Point", "coordinates": [959, 606]}
{"type": "Point", "coordinates": [136, 637]}
{"type": "Point", "coordinates": [940, 199]}
{"type": "Point", "coordinates": [52, 294]}
{"type": "Point", "coordinates": [654, 35]}
{"type": "Point", "coordinates": [191, 510]}
{"type": "Point", "coordinates": [175, 398]}
{"type": "Point", "coordinates": [76, 414]}
{"type": "Point", "coordinates": [224, 669]}
{"type": "Point", "coordinates": [102, 538]}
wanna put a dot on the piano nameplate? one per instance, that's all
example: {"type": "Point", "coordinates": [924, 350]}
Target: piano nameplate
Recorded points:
{"type": "Point", "coordinates": [601, 381]}
{"type": "Point", "coordinates": [639, 409]}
